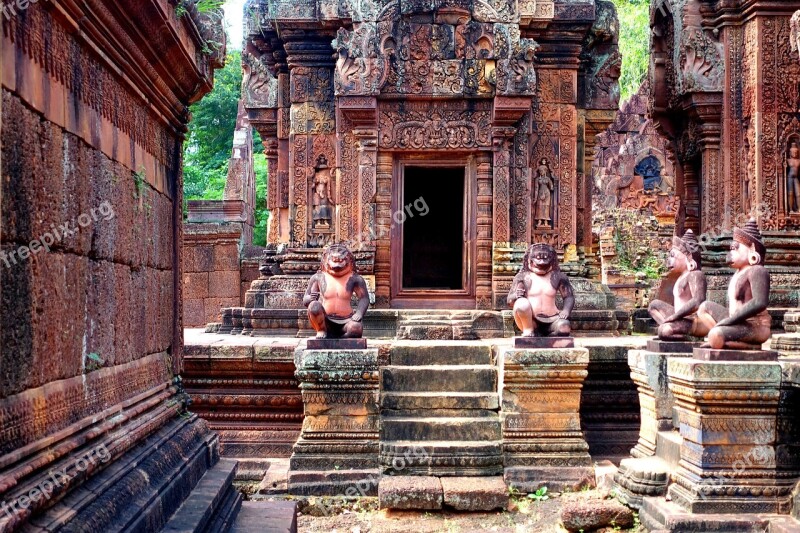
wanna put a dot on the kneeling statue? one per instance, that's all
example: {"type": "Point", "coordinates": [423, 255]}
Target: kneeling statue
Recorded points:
{"type": "Point", "coordinates": [329, 293]}
{"type": "Point", "coordinates": [533, 294]}
{"type": "Point", "coordinates": [746, 324]}
{"type": "Point", "coordinates": [677, 321]}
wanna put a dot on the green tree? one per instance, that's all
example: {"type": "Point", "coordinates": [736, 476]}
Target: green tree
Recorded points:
{"type": "Point", "coordinates": [210, 141]}
{"type": "Point", "coordinates": [634, 44]}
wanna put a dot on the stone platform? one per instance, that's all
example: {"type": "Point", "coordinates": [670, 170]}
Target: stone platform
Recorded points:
{"type": "Point", "coordinates": [411, 324]}
{"type": "Point", "coordinates": [236, 377]}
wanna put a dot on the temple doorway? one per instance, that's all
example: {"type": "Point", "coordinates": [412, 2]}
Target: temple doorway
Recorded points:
{"type": "Point", "coordinates": [431, 253]}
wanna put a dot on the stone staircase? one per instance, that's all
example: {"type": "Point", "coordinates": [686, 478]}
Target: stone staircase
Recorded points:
{"type": "Point", "coordinates": [216, 506]}
{"type": "Point", "coordinates": [440, 411]}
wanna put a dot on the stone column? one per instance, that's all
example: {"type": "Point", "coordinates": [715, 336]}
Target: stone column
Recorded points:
{"type": "Point", "coordinates": [542, 439]}
{"type": "Point", "coordinates": [728, 416]}
{"type": "Point", "coordinates": [338, 447]}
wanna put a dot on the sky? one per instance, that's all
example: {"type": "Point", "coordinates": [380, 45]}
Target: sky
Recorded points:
{"type": "Point", "coordinates": [234, 12]}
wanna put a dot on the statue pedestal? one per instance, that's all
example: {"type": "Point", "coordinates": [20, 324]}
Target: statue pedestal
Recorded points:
{"type": "Point", "coordinates": [543, 342]}
{"type": "Point", "coordinates": [542, 439]}
{"type": "Point", "coordinates": [659, 346]}
{"type": "Point", "coordinates": [338, 447]}
{"type": "Point", "coordinates": [711, 354]}
{"type": "Point", "coordinates": [646, 473]}
{"type": "Point", "coordinates": [336, 344]}
{"type": "Point", "coordinates": [728, 416]}
{"type": "Point", "coordinates": [656, 402]}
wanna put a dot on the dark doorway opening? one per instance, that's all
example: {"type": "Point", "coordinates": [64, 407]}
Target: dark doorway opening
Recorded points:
{"type": "Point", "coordinates": [433, 245]}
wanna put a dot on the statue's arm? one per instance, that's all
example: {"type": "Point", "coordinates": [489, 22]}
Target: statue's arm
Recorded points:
{"type": "Point", "coordinates": [698, 288]}
{"type": "Point", "coordinates": [362, 293]}
{"type": "Point", "coordinates": [759, 287]}
{"type": "Point", "coordinates": [568, 296]}
{"type": "Point", "coordinates": [517, 290]}
{"type": "Point", "coordinates": [312, 292]}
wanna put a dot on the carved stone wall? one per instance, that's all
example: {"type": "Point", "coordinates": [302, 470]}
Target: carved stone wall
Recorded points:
{"type": "Point", "coordinates": [517, 90]}
{"type": "Point", "coordinates": [91, 276]}
{"type": "Point", "coordinates": [728, 97]}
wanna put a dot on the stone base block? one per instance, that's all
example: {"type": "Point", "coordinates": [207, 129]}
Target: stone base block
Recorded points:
{"type": "Point", "coordinates": [640, 478]}
{"type": "Point", "coordinates": [421, 493]}
{"type": "Point", "coordinates": [475, 493]}
{"type": "Point", "coordinates": [710, 354]}
{"type": "Point", "coordinates": [659, 346]}
{"type": "Point", "coordinates": [660, 515]}
{"type": "Point", "coordinates": [529, 479]}
{"type": "Point", "coordinates": [336, 344]}
{"type": "Point", "coordinates": [348, 483]}
{"type": "Point", "coordinates": [544, 342]}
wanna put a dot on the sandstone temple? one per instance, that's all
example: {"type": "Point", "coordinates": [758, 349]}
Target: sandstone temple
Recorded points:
{"type": "Point", "coordinates": [487, 279]}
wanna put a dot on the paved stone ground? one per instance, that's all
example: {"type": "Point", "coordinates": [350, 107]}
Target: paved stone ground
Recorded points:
{"type": "Point", "coordinates": [522, 516]}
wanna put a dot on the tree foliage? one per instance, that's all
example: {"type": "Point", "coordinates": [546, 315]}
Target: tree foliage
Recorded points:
{"type": "Point", "coordinates": [634, 44]}
{"type": "Point", "coordinates": [210, 141]}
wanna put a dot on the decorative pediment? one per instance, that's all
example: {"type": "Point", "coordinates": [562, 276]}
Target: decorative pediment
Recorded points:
{"type": "Point", "coordinates": [468, 49]}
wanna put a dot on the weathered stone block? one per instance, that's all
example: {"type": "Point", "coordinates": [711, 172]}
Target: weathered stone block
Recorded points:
{"type": "Point", "coordinates": [595, 514]}
{"type": "Point", "coordinates": [224, 284]}
{"type": "Point", "coordinates": [342, 384]}
{"type": "Point", "coordinates": [475, 493]}
{"type": "Point", "coordinates": [410, 492]}
{"type": "Point", "coordinates": [195, 285]}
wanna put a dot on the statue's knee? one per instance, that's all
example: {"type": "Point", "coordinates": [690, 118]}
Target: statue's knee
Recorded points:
{"type": "Point", "coordinates": [563, 327]}
{"type": "Point", "coordinates": [716, 338]}
{"type": "Point", "coordinates": [522, 305]}
{"type": "Point", "coordinates": [315, 308]}
{"type": "Point", "coordinates": [665, 330]}
{"type": "Point", "coordinates": [354, 329]}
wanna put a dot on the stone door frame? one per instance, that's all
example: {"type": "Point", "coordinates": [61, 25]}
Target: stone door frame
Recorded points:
{"type": "Point", "coordinates": [426, 298]}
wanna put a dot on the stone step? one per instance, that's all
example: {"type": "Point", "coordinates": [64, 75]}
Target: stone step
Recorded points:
{"type": "Point", "coordinates": [421, 493]}
{"type": "Point", "coordinates": [267, 517]}
{"type": "Point", "coordinates": [439, 378]}
{"type": "Point", "coordinates": [441, 458]}
{"type": "Point", "coordinates": [212, 504]}
{"type": "Point", "coordinates": [453, 353]}
{"type": "Point", "coordinates": [440, 429]}
{"type": "Point", "coordinates": [439, 400]}
{"type": "Point", "coordinates": [438, 413]}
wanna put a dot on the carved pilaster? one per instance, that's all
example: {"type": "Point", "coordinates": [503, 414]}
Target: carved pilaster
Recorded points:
{"type": "Point", "coordinates": [383, 226]}
{"type": "Point", "coordinates": [483, 267]}
{"type": "Point", "coordinates": [338, 446]}
{"type": "Point", "coordinates": [542, 439]}
{"type": "Point", "coordinates": [728, 416]}
{"type": "Point", "coordinates": [311, 135]}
